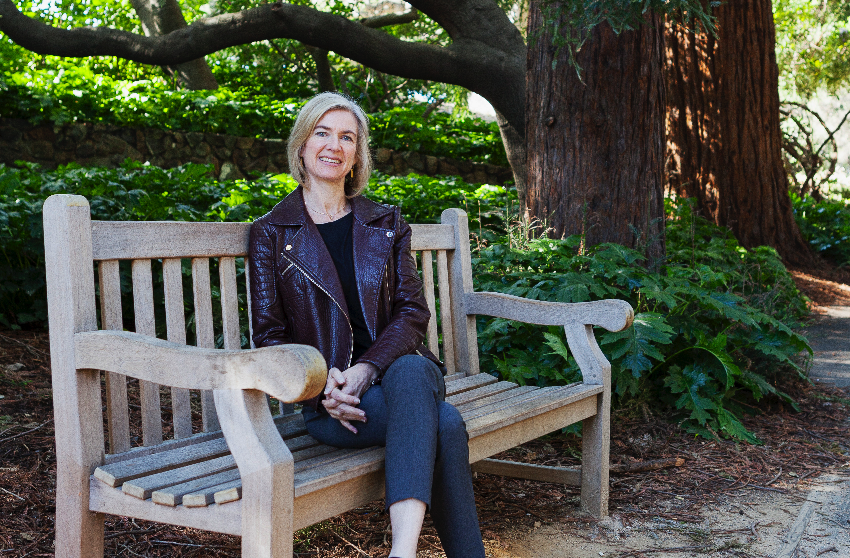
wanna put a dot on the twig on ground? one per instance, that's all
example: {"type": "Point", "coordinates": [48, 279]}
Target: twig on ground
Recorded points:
{"type": "Point", "coordinates": [9, 492]}
{"type": "Point", "coordinates": [825, 550]}
{"type": "Point", "coordinates": [643, 466]}
{"type": "Point", "coordinates": [27, 432]}
{"type": "Point", "coordinates": [773, 480]}
{"type": "Point", "coordinates": [346, 541]}
{"type": "Point", "coordinates": [27, 346]}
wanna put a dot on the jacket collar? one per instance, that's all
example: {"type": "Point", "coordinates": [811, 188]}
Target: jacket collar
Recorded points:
{"type": "Point", "coordinates": [292, 211]}
{"type": "Point", "coordinates": [372, 248]}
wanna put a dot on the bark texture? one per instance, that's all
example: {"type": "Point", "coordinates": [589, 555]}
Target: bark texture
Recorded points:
{"type": "Point", "coordinates": [724, 140]}
{"type": "Point", "coordinates": [596, 149]}
{"type": "Point", "coordinates": [161, 17]}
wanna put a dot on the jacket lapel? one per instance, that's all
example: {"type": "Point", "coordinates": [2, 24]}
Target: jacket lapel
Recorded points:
{"type": "Point", "coordinates": [373, 246]}
{"type": "Point", "coordinates": [306, 248]}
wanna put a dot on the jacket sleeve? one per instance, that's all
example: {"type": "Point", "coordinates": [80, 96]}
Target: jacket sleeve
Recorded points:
{"type": "Point", "coordinates": [406, 329]}
{"type": "Point", "coordinates": [268, 320]}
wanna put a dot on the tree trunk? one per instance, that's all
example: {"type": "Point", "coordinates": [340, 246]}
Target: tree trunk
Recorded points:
{"type": "Point", "coordinates": [596, 149]}
{"type": "Point", "coordinates": [724, 140]}
{"type": "Point", "coordinates": [161, 17]}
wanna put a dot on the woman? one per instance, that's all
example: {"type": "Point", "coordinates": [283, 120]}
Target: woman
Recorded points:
{"type": "Point", "coordinates": [332, 269]}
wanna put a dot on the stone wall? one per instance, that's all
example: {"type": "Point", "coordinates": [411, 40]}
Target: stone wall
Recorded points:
{"type": "Point", "coordinates": [231, 156]}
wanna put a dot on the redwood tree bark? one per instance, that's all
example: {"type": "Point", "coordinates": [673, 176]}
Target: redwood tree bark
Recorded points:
{"type": "Point", "coordinates": [724, 140]}
{"type": "Point", "coordinates": [595, 150]}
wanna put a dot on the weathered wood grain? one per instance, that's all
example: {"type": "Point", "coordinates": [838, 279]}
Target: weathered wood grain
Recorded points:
{"type": "Point", "coordinates": [529, 471]}
{"type": "Point", "coordinates": [447, 318]}
{"type": "Point", "coordinates": [175, 320]}
{"type": "Point", "coordinates": [428, 288]}
{"type": "Point", "coordinates": [204, 333]}
{"type": "Point", "coordinates": [146, 325]}
{"type": "Point", "coordinates": [303, 369]}
{"type": "Point", "coordinates": [145, 240]}
{"type": "Point", "coordinates": [77, 409]}
{"type": "Point", "coordinates": [613, 315]}
{"type": "Point", "coordinates": [117, 411]}
{"type": "Point", "coordinates": [460, 272]}
{"type": "Point", "coordinates": [432, 237]}
{"type": "Point", "coordinates": [467, 383]}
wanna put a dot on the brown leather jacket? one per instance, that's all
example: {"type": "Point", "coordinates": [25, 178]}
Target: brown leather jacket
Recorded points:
{"type": "Point", "coordinates": [296, 295]}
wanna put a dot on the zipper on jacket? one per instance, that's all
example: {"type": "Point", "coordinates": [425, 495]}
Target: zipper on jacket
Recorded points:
{"type": "Point", "coordinates": [350, 329]}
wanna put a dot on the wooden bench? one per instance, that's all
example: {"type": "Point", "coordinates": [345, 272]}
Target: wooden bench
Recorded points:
{"type": "Point", "coordinates": [248, 472]}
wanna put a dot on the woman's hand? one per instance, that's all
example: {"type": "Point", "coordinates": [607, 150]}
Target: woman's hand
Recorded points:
{"type": "Point", "coordinates": [343, 391]}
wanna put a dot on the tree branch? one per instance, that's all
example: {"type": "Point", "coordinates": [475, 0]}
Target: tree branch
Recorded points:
{"type": "Point", "coordinates": [368, 46]}
{"type": "Point", "coordinates": [390, 19]}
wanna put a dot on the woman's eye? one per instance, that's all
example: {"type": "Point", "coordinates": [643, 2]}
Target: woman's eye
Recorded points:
{"type": "Point", "coordinates": [348, 138]}
{"type": "Point", "coordinates": [320, 133]}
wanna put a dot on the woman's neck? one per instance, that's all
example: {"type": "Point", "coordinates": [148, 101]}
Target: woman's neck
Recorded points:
{"type": "Point", "coordinates": [325, 202]}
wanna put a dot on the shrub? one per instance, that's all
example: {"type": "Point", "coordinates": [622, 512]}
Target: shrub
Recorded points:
{"type": "Point", "coordinates": [712, 329]}
{"type": "Point", "coordinates": [709, 329]}
{"type": "Point", "coordinates": [76, 94]}
{"type": "Point", "coordinates": [825, 225]}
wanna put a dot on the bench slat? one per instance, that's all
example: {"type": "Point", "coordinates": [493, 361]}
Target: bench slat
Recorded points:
{"type": "Point", "coordinates": [175, 320]}
{"type": "Point", "coordinates": [446, 312]}
{"type": "Point", "coordinates": [545, 399]}
{"type": "Point", "coordinates": [467, 383]}
{"type": "Point", "coordinates": [175, 495]}
{"type": "Point", "coordinates": [479, 393]}
{"type": "Point", "coordinates": [146, 325]}
{"type": "Point", "coordinates": [117, 411]}
{"type": "Point", "coordinates": [428, 287]}
{"type": "Point", "coordinates": [230, 490]}
{"type": "Point", "coordinates": [144, 486]}
{"type": "Point", "coordinates": [204, 333]}
{"type": "Point", "coordinates": [483, 405]}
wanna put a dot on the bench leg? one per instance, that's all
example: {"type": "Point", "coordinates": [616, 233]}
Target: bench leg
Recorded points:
{"type": "Point", "coordinates": [595, 458]}
{"type": "Point", "coordinates": [267, 522]}
{"type": "Point", "coordinates": [79, 532]}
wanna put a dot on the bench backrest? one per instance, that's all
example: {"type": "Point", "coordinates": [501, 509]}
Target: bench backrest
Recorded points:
{"type": "Point", "coordinates": [168, 248]}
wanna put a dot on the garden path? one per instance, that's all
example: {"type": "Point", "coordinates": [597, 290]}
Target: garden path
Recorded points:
{"type": "Point", "coordinates": [829, 336]}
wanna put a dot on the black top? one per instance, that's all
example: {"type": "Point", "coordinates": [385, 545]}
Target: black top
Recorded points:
{"type": "Point", "coordinates": [338, 239]}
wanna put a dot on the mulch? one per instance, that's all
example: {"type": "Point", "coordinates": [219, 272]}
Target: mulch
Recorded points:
{"type": "Point", "coordinates": [798, 447]}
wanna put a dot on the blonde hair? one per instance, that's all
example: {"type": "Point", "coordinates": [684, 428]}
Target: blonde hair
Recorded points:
{"type": "Point", "coordinates": [310, 114]}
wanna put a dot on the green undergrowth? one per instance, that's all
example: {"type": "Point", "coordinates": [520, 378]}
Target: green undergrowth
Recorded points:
{"type": "Point", "coordinates": [825, 225]}
{"type": "Point", "coordinates": [713, 329]}
{"type": "Point", "coordinates": [78, 95]}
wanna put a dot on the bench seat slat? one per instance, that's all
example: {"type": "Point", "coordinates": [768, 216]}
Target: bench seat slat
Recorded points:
{"type": "Point", "coordinates": [174, 495]}
{"type": "Point", "coordinates": [543, 400]}
{"type": "Point", "coordinates": [460, 385]}
{"type": "Point", "coordinates": [169, 487]}
{"type": "Point", "coordinates": [474, 408]}
{"type": "Point", "coordinates": [479, 393]}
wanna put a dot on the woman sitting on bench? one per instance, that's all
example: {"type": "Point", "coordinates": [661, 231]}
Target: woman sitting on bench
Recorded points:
{"type": "Point", "coordinates": [332, 269]}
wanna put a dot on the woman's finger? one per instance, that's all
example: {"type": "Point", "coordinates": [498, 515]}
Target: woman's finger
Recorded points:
{"type": "Point", "coordinates": [343, 397]}
{"type": "Point", "coordinates": [347, 412]}
{"type": "Point", "coordinates": [335, 379]}
{"type": "Point", "coordinates": [348, 425]}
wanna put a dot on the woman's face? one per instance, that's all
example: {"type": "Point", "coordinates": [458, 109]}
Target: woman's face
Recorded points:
{"type": "Point", "coordinates": [331, 150]}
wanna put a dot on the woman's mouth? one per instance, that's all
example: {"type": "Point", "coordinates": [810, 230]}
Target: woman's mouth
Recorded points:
{"type": "Point", "coordinates": [330, 160]}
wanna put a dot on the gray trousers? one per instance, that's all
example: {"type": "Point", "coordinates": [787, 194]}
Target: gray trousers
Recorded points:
{"type": "Point", "coordinates": [427, 456]}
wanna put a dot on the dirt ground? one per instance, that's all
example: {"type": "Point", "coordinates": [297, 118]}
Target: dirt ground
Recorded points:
{"type": "Point", "coordinates": [726, 499]}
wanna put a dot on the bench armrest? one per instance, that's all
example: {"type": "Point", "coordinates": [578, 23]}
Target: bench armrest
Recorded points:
{"type": "Point", "coordinates": [612, 314]}
{"type": "Point", "coordinates": [286, 372]}
{"type": "Point", "coordinates": [577, 319]}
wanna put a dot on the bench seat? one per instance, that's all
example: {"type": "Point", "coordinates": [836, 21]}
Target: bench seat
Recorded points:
{"type": "Point", "coordinates": [202, 474]}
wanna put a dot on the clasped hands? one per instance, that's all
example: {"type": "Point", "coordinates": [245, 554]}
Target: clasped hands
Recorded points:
{"type": "Point", "coordinates": [343, 392]}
